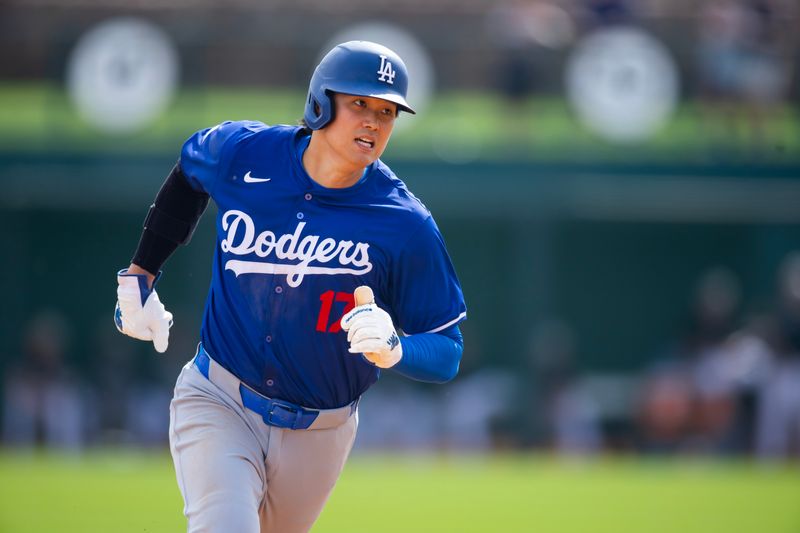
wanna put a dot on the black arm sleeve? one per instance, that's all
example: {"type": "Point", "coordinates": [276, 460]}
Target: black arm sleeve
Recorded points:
{"type": "Point", "coordinates": [171, 221]}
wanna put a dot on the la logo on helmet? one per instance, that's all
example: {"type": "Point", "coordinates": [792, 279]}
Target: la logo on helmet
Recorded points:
{"type": "Point", "coordinates": [386, 71]}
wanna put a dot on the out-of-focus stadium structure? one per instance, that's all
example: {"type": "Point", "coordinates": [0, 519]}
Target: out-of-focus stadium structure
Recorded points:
{"type": "Point", "coordinates": [606, 171]}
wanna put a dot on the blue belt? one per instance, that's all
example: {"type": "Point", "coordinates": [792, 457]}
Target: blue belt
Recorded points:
{"type": "Point", "coordinates": [276, 413]}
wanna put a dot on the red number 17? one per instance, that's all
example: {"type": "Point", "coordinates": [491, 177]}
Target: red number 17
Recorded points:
{"type": "Point", "coordinates": [327, 298]}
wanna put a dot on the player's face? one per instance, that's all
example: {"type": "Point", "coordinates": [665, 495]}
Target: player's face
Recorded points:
{"type": "Point", "coordinates": [361, 128]}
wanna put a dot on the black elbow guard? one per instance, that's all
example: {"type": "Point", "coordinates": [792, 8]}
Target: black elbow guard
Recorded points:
{"type": "Point", "coordinates": [177, 209]}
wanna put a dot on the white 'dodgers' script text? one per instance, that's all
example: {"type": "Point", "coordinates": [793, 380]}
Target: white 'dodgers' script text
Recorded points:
{"type": "Point", "coordinates": [242, 240]}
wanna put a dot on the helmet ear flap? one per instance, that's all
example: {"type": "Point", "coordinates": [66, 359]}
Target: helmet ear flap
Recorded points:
{"type": "Point", "coordinates": [330, 107]}
{"type": "Point", "coordinates": [319, 109]}
{"type": "Point", "coordinates": [314, 109]}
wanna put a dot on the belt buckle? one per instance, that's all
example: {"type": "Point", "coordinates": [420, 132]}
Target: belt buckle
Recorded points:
{"type": "Point", "coordinates": [282, 415]}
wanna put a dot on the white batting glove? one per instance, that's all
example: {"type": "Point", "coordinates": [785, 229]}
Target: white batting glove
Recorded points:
{"type": "Point", "coordinates": [370, 332]}
{"type": "Point", "coordinates": [139, 312]}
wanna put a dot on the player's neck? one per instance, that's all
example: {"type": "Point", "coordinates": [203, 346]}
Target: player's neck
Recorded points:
{"type": "Point", "coordinates": [325, 167]}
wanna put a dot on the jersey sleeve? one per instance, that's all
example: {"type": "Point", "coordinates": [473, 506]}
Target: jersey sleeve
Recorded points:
{"type": "Point", "coordinates": [425, 290]}
{"type": "Point", "coordinates": [208, 152]}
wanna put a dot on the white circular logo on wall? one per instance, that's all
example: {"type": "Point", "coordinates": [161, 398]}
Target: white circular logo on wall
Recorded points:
{"type": "Point", "coordinates": [122, 74]}
{"type": "Point", "coordinates": [622, 83]}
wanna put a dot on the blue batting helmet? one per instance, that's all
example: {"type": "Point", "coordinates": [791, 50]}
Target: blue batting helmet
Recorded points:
{"type": "Point", "coordinates": [362, 68]}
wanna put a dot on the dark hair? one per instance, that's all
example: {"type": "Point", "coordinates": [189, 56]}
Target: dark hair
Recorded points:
{"type": "Point", "coordinates": [304, 130]}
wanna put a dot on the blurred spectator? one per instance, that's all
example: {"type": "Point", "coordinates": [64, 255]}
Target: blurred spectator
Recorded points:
{"type": "Point", "coordinates": [745, 66]}
{"type": "Point", "coordinates": [665, 409]}
{"type": "Point", "coordinates": [526, 33]}
{"type": "Point", "coordinates": [509, 25]}
{"type": "Point", "coordinates": [552, 408]}
{"type": "Point", "coordinates": [151, 387]}
{"type": "Point", "coordinates": [521, 30]}
{"type": "Point", "coordinates": [723, 414]}
{"type": "Point", "coordinates": [571, 414]}
{"type": "Point", "coordinates": [458, 417]}
{"type": "Point", "coordinates": [43, 401]}
{"type": "Point", "coordinates": [778, 434]}
{"type": "Point", "coordinates": [688, 401]}
{"type": "Point", "coordinates": [472, 404]}
{"type": "Point", "coordinates": [607, 13]}
{"type": "Point", "coordinates": [727, 380]}
{"type": "Point", "coordinates": [395, 415]}
{"type": "Point", "coordinates": [148, 413]}
{"type": "Point", "coordinates": [114, 369]}
{"type": "Point", "coordinates": [133, 387]}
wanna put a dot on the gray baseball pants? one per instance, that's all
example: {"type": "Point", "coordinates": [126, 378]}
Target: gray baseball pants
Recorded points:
{"type": "Point", "coordinates": [238, 474]}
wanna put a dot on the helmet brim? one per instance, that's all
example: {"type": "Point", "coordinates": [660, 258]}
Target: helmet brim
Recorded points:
{"type": "Point", "coordinates": [395, 98]}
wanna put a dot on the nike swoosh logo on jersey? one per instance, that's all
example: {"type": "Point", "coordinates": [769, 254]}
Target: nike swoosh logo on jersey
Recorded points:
{"type": "Point", "coordinates": [249, 179]}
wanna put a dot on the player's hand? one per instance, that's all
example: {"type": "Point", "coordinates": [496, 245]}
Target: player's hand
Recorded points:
{"type": "Point", "coordinates": [370, 331]}
{"type": "Point", "coordinates": [139, 312]}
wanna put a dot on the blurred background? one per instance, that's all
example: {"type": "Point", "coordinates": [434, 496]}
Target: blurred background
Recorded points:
{"type": "Point", "coordinates": [618, 183]}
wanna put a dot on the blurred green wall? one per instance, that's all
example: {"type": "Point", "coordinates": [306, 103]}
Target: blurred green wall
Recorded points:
{"type": "Point", "coordinates": [529, 242]}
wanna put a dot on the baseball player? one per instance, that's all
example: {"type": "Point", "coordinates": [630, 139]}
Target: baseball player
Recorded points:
{"type": "Point", "coordinates": [265, 414]}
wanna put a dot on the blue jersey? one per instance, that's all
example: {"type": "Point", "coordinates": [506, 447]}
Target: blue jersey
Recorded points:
{"type": "Point", "coordinates": [289, 254]}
